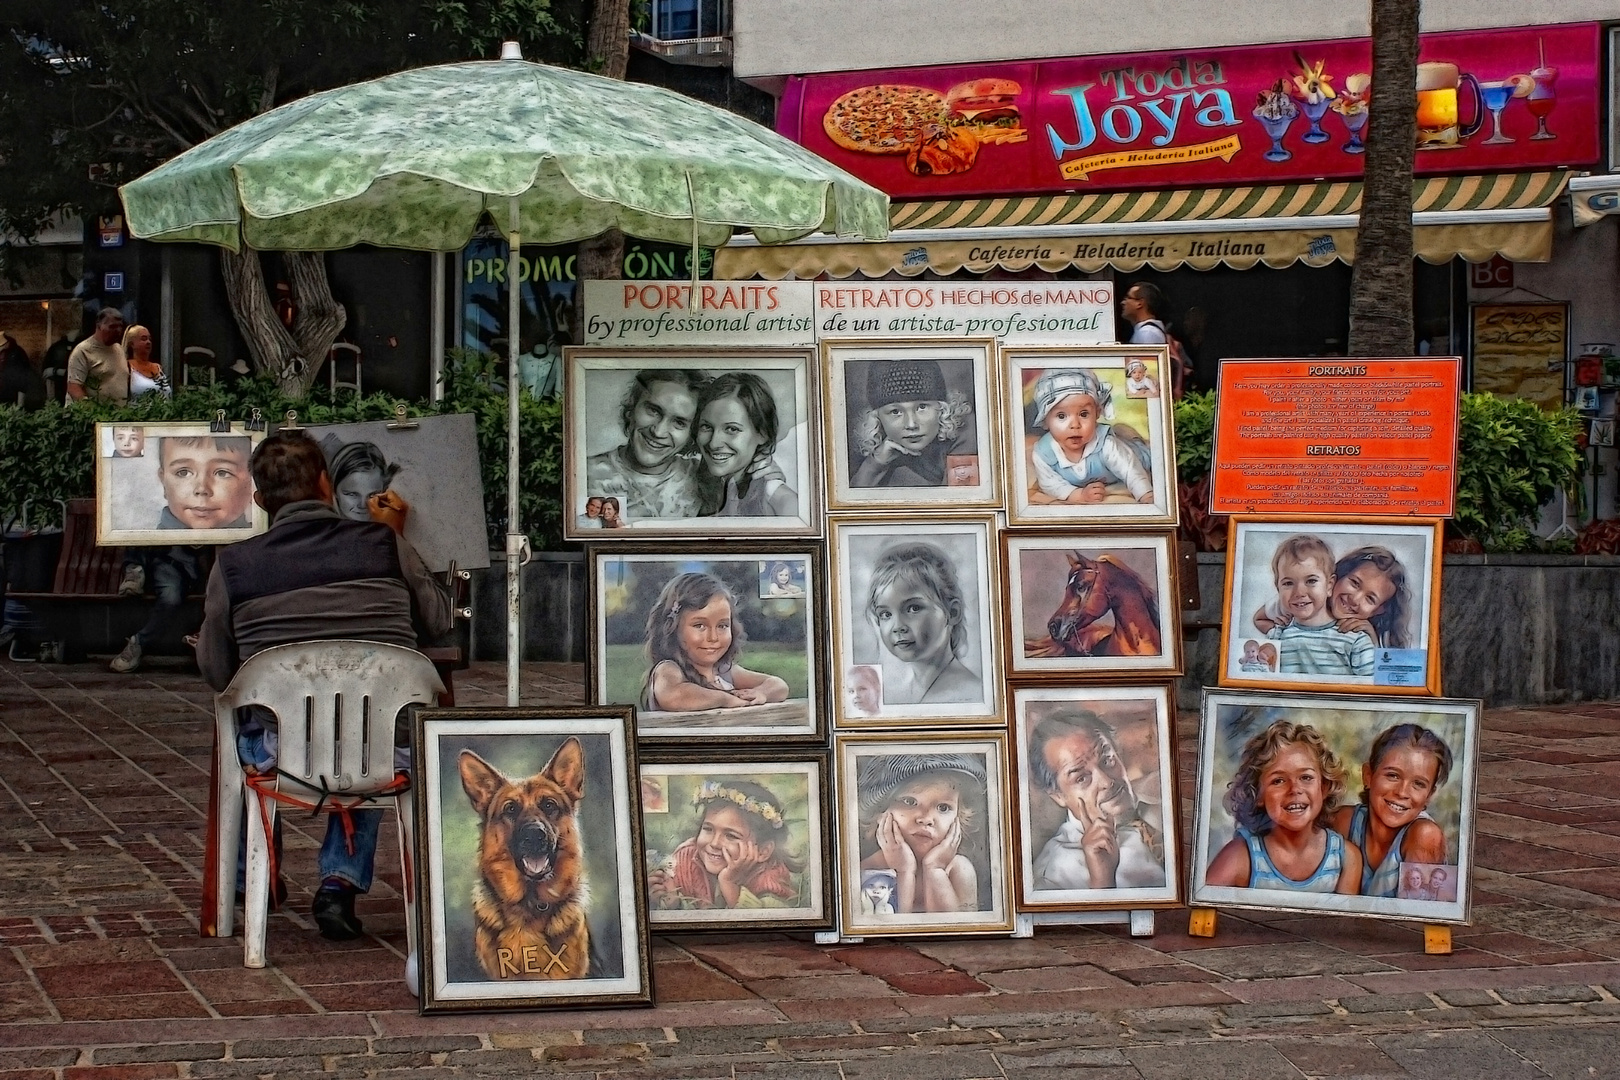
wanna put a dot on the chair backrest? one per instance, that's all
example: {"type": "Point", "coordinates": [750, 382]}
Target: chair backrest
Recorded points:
{"type": "Point", "coordinates": [83, 568]}
{"type": "Point", "coordinates": [335, 703]}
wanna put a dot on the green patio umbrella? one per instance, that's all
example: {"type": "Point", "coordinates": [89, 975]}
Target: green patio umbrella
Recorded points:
{"type": "Point", "coordinates": [414, 160]}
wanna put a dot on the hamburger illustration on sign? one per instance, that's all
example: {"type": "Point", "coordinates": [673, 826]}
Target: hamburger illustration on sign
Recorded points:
{"type": "Point", "coordinates": [939, 134]}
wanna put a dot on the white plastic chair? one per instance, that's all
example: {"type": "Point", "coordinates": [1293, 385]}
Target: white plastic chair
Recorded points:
{"type": "Point", "coordinates": [339, 349]}
{"type": "Point", "coordinates": [197, 358]}
{"type": "Point", "coordinates": [335, 702]}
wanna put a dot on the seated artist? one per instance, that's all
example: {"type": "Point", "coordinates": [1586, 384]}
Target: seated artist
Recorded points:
{"type": "Point", "coordinates": [314, 576]}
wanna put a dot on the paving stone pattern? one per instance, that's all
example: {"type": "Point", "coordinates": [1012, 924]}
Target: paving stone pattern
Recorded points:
{"type": "Point", "coordinates": [103, 788]}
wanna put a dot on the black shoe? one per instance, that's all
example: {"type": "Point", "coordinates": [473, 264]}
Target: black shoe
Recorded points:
{"type": "Point", "coordinates": [333, 912]}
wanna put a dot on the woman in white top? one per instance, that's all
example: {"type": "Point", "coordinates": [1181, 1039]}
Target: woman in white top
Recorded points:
{"type": "Point", "coordinates": [145, 374]}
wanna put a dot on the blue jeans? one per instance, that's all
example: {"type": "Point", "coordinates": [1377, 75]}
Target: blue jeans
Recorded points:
{"type": "Point", "coordinates": [335, 860]}
{"type": "Point", "coordinates": [170, 573]}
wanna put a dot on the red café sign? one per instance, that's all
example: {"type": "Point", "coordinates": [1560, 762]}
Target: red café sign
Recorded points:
{"type": "Point", "coordinates": [1488, 101]}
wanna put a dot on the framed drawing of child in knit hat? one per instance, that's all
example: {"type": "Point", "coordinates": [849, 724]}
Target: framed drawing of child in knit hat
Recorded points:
{"type": "Point", "coordinates": [1088, 436]}
{"type": "Point", "coordinates": [911, 423]}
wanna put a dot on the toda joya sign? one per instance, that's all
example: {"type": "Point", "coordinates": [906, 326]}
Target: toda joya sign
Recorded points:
{"type": "Point", "coordinates": [797, 313]}
{"type": "Point", "coordinates": [1493, 100]}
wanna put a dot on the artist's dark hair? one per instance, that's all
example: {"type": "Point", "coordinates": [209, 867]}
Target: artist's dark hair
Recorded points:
{"type": "Point", "coordinates": [1076, 722]}
{"type": "Point", "coordinates": [645, 379]}
{"type": "Point", "coordinates": [1152, 298]}
{"type": "Point", "coordinates": [287, 468]}
{"type": "Point", "coordinates": [683, 593]}
{"type": "Point", "coordinates": [1417, 737]}
{"type": "Point", "coordinates": [1390, 624]}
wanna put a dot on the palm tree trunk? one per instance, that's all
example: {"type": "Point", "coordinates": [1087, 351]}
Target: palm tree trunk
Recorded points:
{"type": "Point", "coordinates": [607, 51]}
{"type": "Point", "coordinates": [1381, 281]}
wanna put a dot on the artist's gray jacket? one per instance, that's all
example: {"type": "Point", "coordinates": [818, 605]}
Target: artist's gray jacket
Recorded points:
{"type": "Point", "coordinates": [313, 576]}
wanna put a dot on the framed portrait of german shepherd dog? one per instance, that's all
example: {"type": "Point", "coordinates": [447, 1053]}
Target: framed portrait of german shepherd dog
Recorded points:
{"type": "Point", "coordinates": [530, 886]}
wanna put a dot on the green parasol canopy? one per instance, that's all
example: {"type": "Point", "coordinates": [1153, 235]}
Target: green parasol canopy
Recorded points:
{"type": "Point", "coordinates": [412, 160]}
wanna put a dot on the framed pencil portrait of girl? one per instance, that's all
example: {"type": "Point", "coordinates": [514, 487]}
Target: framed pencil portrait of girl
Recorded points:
{"type": "Point", "coordinates": [1091, 603]}
{"type": "Point", "coordinates": [1096, 819]}
{"type": "Point", "coordinates": [910, 423]}
{"type": "Point", "coordinates": [922, 835]}
{"type": "Point", "coordinates": [914, 630]}
{"type": "Point", "coordinates": [1336, 803]}
{"type": "Point", "coordinates": [1347, 605]}
{"type": "Point", "coordinates": [1088, 435]}
{"type": "Point", "coordinates": [693, 442]}
{"type": "Point", "coordinates": [710, 643]}
{"type": "Point", "coordinates": [737, 840]}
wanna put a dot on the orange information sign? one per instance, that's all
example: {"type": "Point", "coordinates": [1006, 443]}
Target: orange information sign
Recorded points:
{"type": "Point", "coordinates": [1337, 436]}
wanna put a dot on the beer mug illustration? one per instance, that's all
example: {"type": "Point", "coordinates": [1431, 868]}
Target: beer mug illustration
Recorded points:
{"type": "Point", "coordinates": [1439, 118]}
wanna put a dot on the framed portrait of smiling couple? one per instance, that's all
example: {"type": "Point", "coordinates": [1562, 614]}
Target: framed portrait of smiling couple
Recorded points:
{"type": "Point", "coordinates": [690, 442]}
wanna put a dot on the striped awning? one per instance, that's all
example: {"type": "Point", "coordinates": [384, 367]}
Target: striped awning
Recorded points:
{"type": "Point", "coordinates": [1276, 225]}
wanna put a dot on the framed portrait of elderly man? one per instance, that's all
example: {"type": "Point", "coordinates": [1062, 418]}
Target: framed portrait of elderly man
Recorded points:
{"type": "Point", "coordinates": [914, 627]}
{"type": "Point", "coordinates": [911, 422]}
{"type": "Point", "coordinates": [710, 644]}
{"type": "Point", "coordinates": [690, 442]}
{"type": "Point", "coordinates": [1336, 803]}
{"type": "Point", "coordinates": [1088, 435]}
{"type": "Point", "coordinates": [174, 483]}
{"type": "Point", "coordinates": [1096, 802]}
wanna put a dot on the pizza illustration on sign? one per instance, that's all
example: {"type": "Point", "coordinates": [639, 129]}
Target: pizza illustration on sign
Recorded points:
{"type": "Point", "coordinates": [938, 133]}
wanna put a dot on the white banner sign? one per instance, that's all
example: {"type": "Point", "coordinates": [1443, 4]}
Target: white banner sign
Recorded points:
{"type": "Point", "coordinates": [742, 313]}
{"type": "Point", "coordinates": [797, 313]}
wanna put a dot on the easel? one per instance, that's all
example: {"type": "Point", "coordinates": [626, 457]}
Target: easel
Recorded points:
{"type": "Point", "coordinates": [1436, 936]}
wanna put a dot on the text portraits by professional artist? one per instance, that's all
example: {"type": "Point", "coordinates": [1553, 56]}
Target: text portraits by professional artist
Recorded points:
{"type": "Point", "coordinates": [690, 442]}
{"type": "Point", "coordinates": [911, 423]}
{"type": "Point", "coordinates": [922, 834]}
{"type": "Point", "coordinates": [175, 483]}
{"type": "Point", "coordinates": [914, 632]}
{"type": "Point", "coordinates": [1088, 436]}
{"type": "Point", "coordinates": [1096, 818]}
{"type": "Point", "coordinates": [710, 643]}
{"type": "Point", "coordinates": [1091, 603]}
{"type": "Point", "coordinates": [737, 841]}
{"type": "Point", "coordinates": [532, 893]}
{"type": "Point", "coordinates": [1326, 803]}
{"type": "Point", "coordinates": [1340, 605]}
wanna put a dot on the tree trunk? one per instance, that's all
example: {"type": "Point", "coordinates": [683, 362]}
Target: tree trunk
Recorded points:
{"type": "Point", "coordinates": [292, 356]}
{"type": "Point", "coordinates": [1381, 281]}
{"type": "Point", "coordinates": [607, 52]}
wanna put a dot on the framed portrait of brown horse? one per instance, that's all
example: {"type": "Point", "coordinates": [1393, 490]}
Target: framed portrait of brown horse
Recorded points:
{"type": "Point", "coordinates": [1092, 603]}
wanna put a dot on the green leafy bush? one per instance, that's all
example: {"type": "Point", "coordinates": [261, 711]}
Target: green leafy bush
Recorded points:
{"type": "Point", "coordinates": [1195, 435]}
{"type": "Point", "coordinates": [1512, 458]}
{"type": "Point", "coordinates": [47, 454]}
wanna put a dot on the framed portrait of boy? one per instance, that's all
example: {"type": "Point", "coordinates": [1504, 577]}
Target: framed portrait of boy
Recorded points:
{"type": "Point", "coordinates": [530, 886]}
{"type": "Point", "coordinates": [737, 840]}
{"type": "Point", "coordinates": [1333, 803]}
{"type": "Point", "coordinates": [1097, 822]}
{"type": "Point", "coordinates": [690, 442]}
{"type": "Point", "coordinates": [1089, 438]}
{"type": "Point", "coordinates": [911, 423]}
{"type": "Point", "coordinates": [175, 483]}
{"type": "Point", "coordinates": [915, 638]}
{"type": "Point", "coordinates": [1092, 603]}
{"type": "Point", "coordinates": [922, 842]}
{"type": "Point", "coordinates": [1346, 605]}
{"type": "Point", "coordinates": [710, 643]}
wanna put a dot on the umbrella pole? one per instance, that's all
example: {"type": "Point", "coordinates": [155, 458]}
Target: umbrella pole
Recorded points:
{"type": "Point", "coordinates": [517, 544]}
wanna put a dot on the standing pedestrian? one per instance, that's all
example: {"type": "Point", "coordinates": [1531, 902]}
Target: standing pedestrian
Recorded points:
{"type": "Point", "coordinates": [97, 367]}
{"type": "Point", "coordinates": [1143, 306]}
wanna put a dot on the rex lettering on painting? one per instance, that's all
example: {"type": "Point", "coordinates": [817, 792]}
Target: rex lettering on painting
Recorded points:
{"type": "Point", "coordinates": [1336, 437]}
{"type": "Point", "coordinates": [1239, 115]}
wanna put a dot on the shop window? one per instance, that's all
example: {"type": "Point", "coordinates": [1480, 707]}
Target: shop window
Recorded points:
{"type": "Point", "coordinates": [683, 20]}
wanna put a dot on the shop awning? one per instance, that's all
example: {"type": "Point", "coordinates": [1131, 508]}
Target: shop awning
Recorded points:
{"type": "Point", "coordinates": [1508, 214]}
{"type": "Point", "coordinates": [1591, 198]}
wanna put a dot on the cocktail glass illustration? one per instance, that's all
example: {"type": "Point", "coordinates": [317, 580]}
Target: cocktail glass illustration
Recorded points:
{"type": "Point", "coordinates": [1496, 96]}
{"type": "Point", "coordinates": [1542, 99]}
{"type": "Point", "coordinates": [1354, 122]}
{"type": "Point", "coordinates": [1276, 128]}
{"type": "Point", "coordinates": [1314, 111]}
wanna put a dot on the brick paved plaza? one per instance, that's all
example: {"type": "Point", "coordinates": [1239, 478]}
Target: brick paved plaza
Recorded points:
{"type": "Point", "coordinates": [104, 785]}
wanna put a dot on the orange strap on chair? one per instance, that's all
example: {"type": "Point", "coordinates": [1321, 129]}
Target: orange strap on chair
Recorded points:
{"type": "Point", "coordinates": [327, 801]}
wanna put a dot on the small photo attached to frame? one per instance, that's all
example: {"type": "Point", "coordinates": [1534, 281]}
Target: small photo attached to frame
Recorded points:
{"type": "Point", "coordinates": [1091, 603]}
{"type": "Point", "coordinates": [175, 483]}
{"type": "Point", "coordinates": [706, 442]}
{"type": "Point", "coordinates": [1088, 435]}
{"type": "Point", "coordinates": [1097, 822]}
{"type": "Point", "coordinates": [914, 630]}
{"type": "Point", "coordinates": [710, 643]}
{"type": "Point", "coordinates": [923, 834]}
{"type": "Point", "coordinates": [1346, 605]}
{"type": "Point", "coordinates": [531, 892]}
{"type": "Point", "coordinates": [1336, 804]}
{"type": "Point", "coordinates": [737, 840]}
{"type": "Point", "coordinates": [911, 423]}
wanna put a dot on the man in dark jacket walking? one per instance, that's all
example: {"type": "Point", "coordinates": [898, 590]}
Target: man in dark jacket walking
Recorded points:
{"type": "Point", "coordinates": [315, 576]}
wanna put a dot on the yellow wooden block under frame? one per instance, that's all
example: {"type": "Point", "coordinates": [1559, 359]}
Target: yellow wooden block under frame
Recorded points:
{"type": "Point", "coordinates": [1202, 923]}
{"type": "Point", "coordinates": [1437, 940]}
